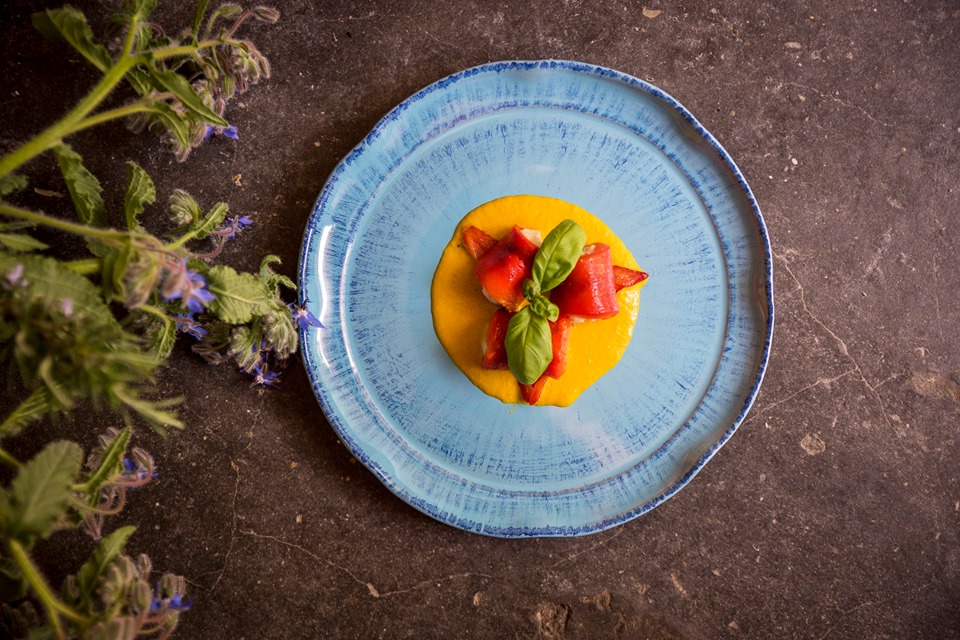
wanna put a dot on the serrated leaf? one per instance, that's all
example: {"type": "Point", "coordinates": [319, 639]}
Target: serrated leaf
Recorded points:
{"type": "Point", "coordinates": [238, 296]}
{"type": "Point", "coordinates": [93, 570]}
{"type": "Point", "coordinates": [161, 338]}
{"type": "Point", "coordinates": [140, 81]}
{"type": "Point", "coordinates": [40, 493]}
{"type": "Point", "coordinates": [110, 463]}
{"type": "Point", "coordinates": [141, 193]}
{"type": "Point", "coordinates": [11, 183]}
{"type": "Point", "coordinates": [180, 87]}
{"type": "Point", "coordinates": [212, 220]}
{"type": "Point", "coordinates": [173, 122]}
{"type": "Point", "coordinates": [38, 404]}
{"type": "Point", "coordinates": [198, 18]}
{"type": "Point", "coordinates": [69, 25]}
{"type": "Point", "coordinates": [84, 188]}
{"type": "Point", "coordinates": [21, 242]}
{"type": "Point", "coordinates": [51, 282]}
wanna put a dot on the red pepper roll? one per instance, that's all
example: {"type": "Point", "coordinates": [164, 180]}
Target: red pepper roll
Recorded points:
{"type": "Point", "coordinates": [590, 290]}
{"type": "Point", "coordinates": [502, 269]}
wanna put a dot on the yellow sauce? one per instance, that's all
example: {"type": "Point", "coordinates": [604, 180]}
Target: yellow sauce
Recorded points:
{"type": "Point", "coordinates": [461, 312]}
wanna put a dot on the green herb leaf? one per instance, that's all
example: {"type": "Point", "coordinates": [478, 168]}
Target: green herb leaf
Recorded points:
{"type": "Point", "coordinates": [198, 18]}
{"type": "Point", "coordinates": [11, 183]}
{"type": "Point", "coordinates": [12, 585]}
{"type": "Point", "coordinates": [161, 338]}
{"type": "Point", "coordinates": [544, 308]}
{"type": "Point", "coordinates": [140, 194]}
{"type": "Point", "coordinates": [38, 404]}
{"type": "Point", "coordinates": [111, 463]}
{"type": "Point", "coordinates": [40, 493]}
{"type": "Point", "coordinates": [180, 87]}
{"type": "Point", "coordinates": [558, 254]}
{"type": "Point", "coordinates": [84, 190]}
{"type": "Point", "coordinates": [93, 570]}
{"type": "Point", "coordinates": [69, 25]}
{"type": "Point", "coordinates": [50, 283]}
{"type": "Point", "coordinates": [238, 296]}
{"type": "Point", "coordinates": [529, 345]}
{"type": "Point", "coordinates": [21, 242]}
{"type": "Point", "coordinates": [211, 221]}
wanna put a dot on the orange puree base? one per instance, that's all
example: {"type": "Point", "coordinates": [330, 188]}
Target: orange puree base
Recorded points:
{"type": "Point", "coordinates": [461, 312]}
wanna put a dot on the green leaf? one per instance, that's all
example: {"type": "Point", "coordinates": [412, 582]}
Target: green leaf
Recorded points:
{"type": "Point", "coordinates": [21, 242]}
{"type": "Point", "coordinates": [161, 338]}
{"type": "Point", "coordinates": [38, 404]}
{"type": "Point", "coordinates": [238, 296]}
{"type": "Point", "coordinates": [543, 307]}
{"type": "Point", "coordinates": [40, 494]}
{"type": "Point", "coordinates": [180, 87]}
{"type": "Point", "coordinates": [198, 18]}
{"type": "Point", "coordinates": [83, 186]}
{"type": "Point", "coordinates": [11, 183]}
{"type": "Point", "coordinates": [111, 463]}
{"type": "Point", "coordinates": [272, 279]}
{"type": "Point", "coordinates": [140, 193]}
{"type": "Point", "coordinates": [93, 570]}
{"type": "Point", "coordinates": [69, 25]}
{"type": "Point", "coordinates": [529, 345]}
{"type": "Point", "coordinates": [50, 283]}
{"type": "Point", "coordinates": [558, 254]}
{"type": "Point", "coordinates": [212, 220]}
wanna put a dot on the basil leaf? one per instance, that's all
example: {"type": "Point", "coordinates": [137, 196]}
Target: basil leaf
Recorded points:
{"type": "Point", "coordinates": [544, 308]}
{"type": "Point", "coordinates": [529, 345]}
{"type": "Point", "coordinates": [558, 254]}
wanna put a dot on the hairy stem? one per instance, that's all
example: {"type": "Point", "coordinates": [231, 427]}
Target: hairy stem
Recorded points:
{"type": "Point", "coordinates": [37, 217]}
{"type": "Point", "coordinates": [49, 137]}
{"type": "Point", "coordinates": [9, 460]}
{"type": "Point", "coordinates": [53, 605]}
{"type": "Point", "coordinates": [86, 267]}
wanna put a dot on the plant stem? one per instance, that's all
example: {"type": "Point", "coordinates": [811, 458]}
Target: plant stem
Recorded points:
{"type": "Point", "coordinates": [9, 460]}
{"type": "Point", "coordinates": [140, 106]}
{"type": "Point", "coordinates": [86, 267]}
{"type": "Point", "coordinates": [52, 134]}
{"type": "Point", "coordinates": [54, 606]}
{"type": "Point", "coordinates": [184, 50]}
{"type": "Point", "coordinates": [37, 217]}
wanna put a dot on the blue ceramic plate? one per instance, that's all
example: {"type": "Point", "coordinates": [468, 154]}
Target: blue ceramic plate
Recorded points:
{"type": "Point", "coordinates": [621, 149]}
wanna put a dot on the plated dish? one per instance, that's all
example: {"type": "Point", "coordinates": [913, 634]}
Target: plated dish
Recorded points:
{"type": "Point", "coordinates": [613, 145]}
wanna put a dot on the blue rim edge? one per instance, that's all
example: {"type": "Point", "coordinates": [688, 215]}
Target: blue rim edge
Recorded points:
{"type": "Point", "coordinates": [527, 65]}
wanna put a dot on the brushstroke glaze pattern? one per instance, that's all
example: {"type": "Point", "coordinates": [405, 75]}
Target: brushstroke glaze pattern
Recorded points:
{"type": "Point", "coordinates": [621, 149]}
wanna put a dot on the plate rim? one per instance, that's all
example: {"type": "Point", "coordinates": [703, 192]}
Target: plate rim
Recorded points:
{"type": "Point", "coordinates": [617, 519]}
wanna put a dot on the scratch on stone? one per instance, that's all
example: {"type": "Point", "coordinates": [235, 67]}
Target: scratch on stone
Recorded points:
{"type": "Point", "coordinates": [821, 381]}
{"type": "Point", "coordinates": [233, 529]}
{"type": "Point", "coordinates": [371, 588]}
{"type": "Point", "coordinates": [936, 295]}
{"type": "Point", "coordinates": [837, 99]}
{"type": "Point", "coordinates": [678, 586]}
{"type": "Point", "coordinates": [870, 603]}
{"type": "Point", "coordinates": [885, 241]}
{"type": "Point", "coordinates": [841, 345]}
{"type": "Point", "coordinates": [602, 543]}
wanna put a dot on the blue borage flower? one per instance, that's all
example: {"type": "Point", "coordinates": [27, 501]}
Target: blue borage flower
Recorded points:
{"type": "Point", "coordinates": [188, 286]}
{"type": "Point", "coordinates": [229, 132]}
{"type": "Point", "coordinates": [176, 602]}
{"type": "Point", "coordinates": [14, 277]}
{"type": "Point", "coordinates": [303, 317]}
{"type": "Point", "coordinates": [263, 377]}
{"type": "Point", "coordinates": [188, 324]}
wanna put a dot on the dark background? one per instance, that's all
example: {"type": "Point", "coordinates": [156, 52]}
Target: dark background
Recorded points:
{"type": "Point", "coordinates": [834, 512]}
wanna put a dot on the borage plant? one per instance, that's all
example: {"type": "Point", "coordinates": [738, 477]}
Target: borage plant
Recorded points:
{"type": "Point", "coordinates": [95, 328]}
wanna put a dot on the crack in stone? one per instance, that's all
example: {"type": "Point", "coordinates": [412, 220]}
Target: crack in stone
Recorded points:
{"type": "Point", "coordinates": [835, 98]}
{"type": "Point", "coordinates": [841, 345]}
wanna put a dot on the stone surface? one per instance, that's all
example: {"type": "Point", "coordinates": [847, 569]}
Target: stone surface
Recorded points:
{"type": "Point", "coordinates": [833, 513]}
